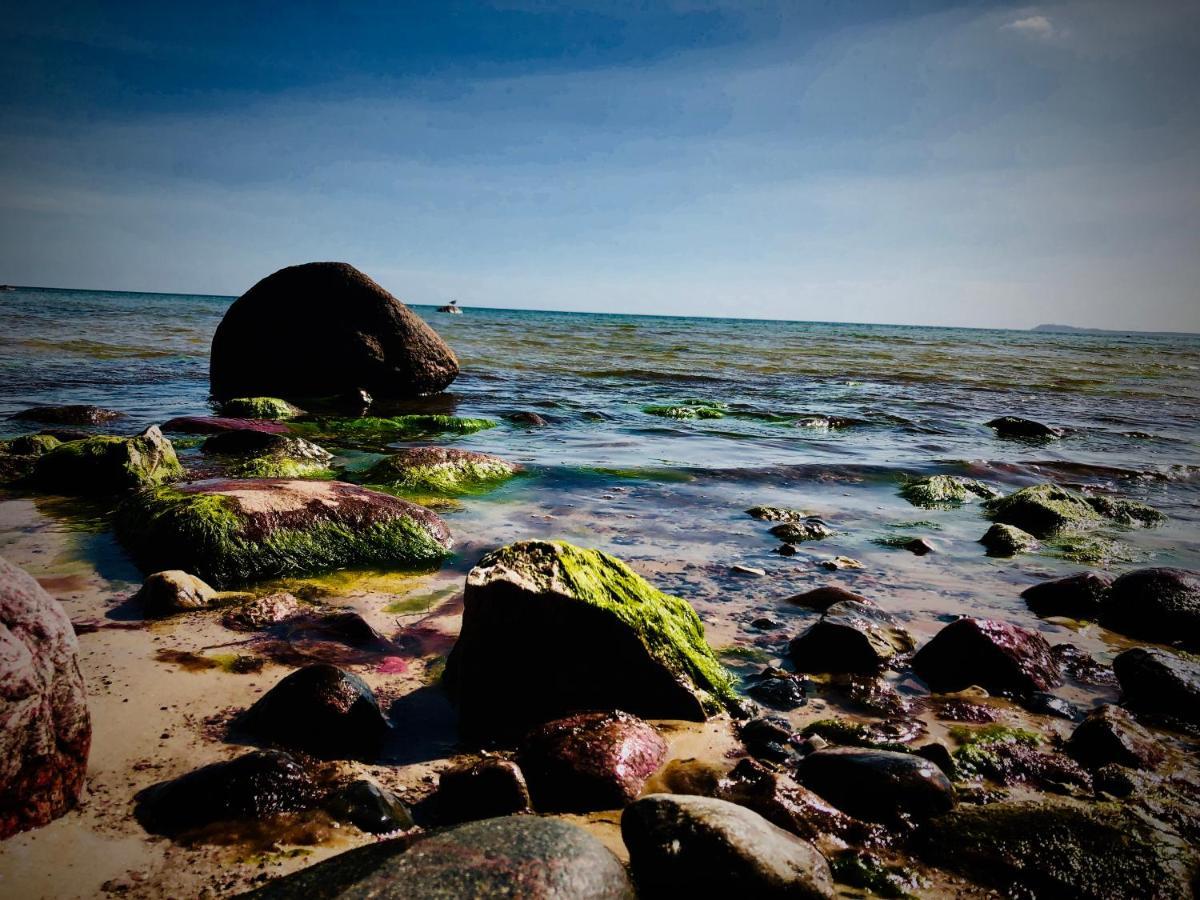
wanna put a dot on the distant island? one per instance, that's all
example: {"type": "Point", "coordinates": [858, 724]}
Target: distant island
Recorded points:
{"type": "Point", "coordinates": [1071, 329]}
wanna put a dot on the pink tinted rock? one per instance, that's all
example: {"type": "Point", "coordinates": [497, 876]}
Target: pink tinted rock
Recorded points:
{"type": "Point", "coordinates": [215, 424]}
{"type": "Point", "coordinates": [997, 656]}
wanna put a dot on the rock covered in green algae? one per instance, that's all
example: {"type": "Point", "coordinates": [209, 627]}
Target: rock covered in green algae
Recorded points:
{"type": "Point", "coordinates": [445, 470]}
{"type": "Point", "coordinates": [108, 465]}
{"type": "Point", "coordinates": [1158, 604]}
{"type": "Point", "coordinates": [228, 530]}
{"type": "Point", "coordinates": [1062, 849]}
{"type": "Point", "coordinates": [1127, 512]}
{"type": "Point", "coordinates": [945, 490]}
{"type": "Point", "coordinates": [1007, 540]}
{"type": "Point", "coordinates": [550, 628]}
{"type": "Point", "coordinates": [376, 431]}
{"type": "Point", "coordinates": [514, 856]}
{"type": "Point", "coordinates": [1047, 510]}
{"type": "Point", "coordinates": [682, 845]}
{"type": "Point", "coordinates": [850, 637]}
{"type": "Point", "coordinates": [74, 414]}
{"type": "Point", "coordinates": [260, 408]}
{"type": "Point", "coordinates": [259, 454]}
{"type": "Point", "coordinates": [697, 409]}
{"type": "Point", "coordinates": [19, 455]}
{"type": "Point", "coordinates": [1009, 756]}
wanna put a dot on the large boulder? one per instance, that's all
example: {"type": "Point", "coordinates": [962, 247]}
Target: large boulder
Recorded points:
{"type": "Point", "coordinates": [877, 785]}
{"type": "Point", "coordinates": [104, 464]}
{"type": "Point", "coordinates": [325, 329]}
{"type": "Point", "coordinates": [1158, 604]}
{"type": "Point", "coordinates": [681, 846]}
{"type": "Point", "coordinates": [515, 856]}
{"type": "Point", "coordinates": [1159, 682]}
{"type": "Point", "coordinates": [590, 761]}
{"type": "Point", "coordinates": [850, 637]}
{"type": "Point", "coordinates": [1061, 849]}
{"type": "Point", "coordinates": [1077, 596]}
{"type": "Point", "coordinates": [446, 470]}
{"type": "Point", "coordinates": [227, 530]}
{"type": "Point", "coordinates": [322, 710]}
{"type": "Point", "coordinates": [45, 730]}
{"type": "Point", "coordinates": [550, 628]}
{"type": "Point", "coordinates": [1000, 657]}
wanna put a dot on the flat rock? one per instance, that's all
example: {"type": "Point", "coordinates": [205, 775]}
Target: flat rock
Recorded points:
{"type": "Point", "coordinates": [850, 637]}
{"type": "Point", "coordinates": [231, 530]}
{"type": "Point", "coordinates": [590, 761]}
{"type": "Point", "coordinates": [262, 612]}
{"type": "Point", "coordinates": [701, 846]}
{"type": "Point", "coordinates": [1076, 596]}
{"type": "Point", "coordinates": [1160, 682]}
{"type": "Point", "coordinates": [824, 597]}
{"type": "Point", "coordinates": [218, 424]}
{"type": "Point", "coordinates": [1003, 658]}
{"type": "Point", "coordinates": [516, 856]}
{"type": "Point", "coordinates": [1111, 735]}
{"type": "Point", "coordinates": [45, 729]}
{"type": "Point", "coordinates": [1159, 604]}
{"type": "Point", "coordinates": [877, 785]}
{"type": "Point", "coordinates": [550, 628]}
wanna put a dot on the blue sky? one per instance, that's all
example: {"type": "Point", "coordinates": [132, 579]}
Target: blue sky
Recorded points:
{"type": "Point", "coordinates": [929, 162]}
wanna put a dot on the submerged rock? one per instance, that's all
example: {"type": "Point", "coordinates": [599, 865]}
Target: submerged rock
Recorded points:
{"type": "Point", "coordinates": [253, 786]}
{"type": "Point", "coordinates": [1015, 426]}
{"type": "Point", "coordinates": [778, 689]}
{"type": "Point", "coordinates": [1043, 510]}
{"type": "Point", "coordinates": [322, 329]}
{"type": "Point", "coordinates": [70, 415]}
{"type": "Point", "coordinates": [590, 761]}
{"type": "Point", "coordinates": [1110, 735]}
{"type": "Point", "coordinates": [516, 856]}
{"type": "Point", "coordinates": [1127, 512]}
{"type": "Point", "coordinates": [1076, 596]}
{"type": "Point", "coordinates": [701, 846]}
{"type": "Point", "coordinates": [1160, 682]}
{"type": "Point", "coordinates": [45, 729]}
{"type": "Point", "coordinates": [997, 656]}
{"type": "Point", "coordinates": [229, 530]}
{"type": "Point", "coordinates": [811, 529]}
{"type": "Point", "coordinates": [108, 465]}
{"type": "Point", "coordinates": [19, 455]}
{"type": "Point", "coordinates": [945, 490]}
{"type": "Point", "coordinates": [218, 424]}
{"type": "Point", "coordinates": [369, 808]}
{"type": "Point", "coordinates": [173, 591]}
{"type": "Point", "coordinates": [850, 637]}
{"type": "Point", "coordinates": [550, 628]}
{"type": "Point", "coordinates": [877, 785]}
{"type": "Point", "coordinates": [375, 432]}
{"type": "Point", "coordinates": [260, 408]}
{"type": "Point", "coordinates": [531, 419]}
{"type": "Point", "coordinates": [322, 710]}
{"type": "Point", "coordinates": [777, 514]}
{"type": "Point", "coordinates": [1060, 849]}
{"type": "Point", "coordinates": [439, 470]}
{"type": "Point", "coordinates": [822, 598]}
{"type": "Point", "coordinates": [1158, 604]}
{"type": "Point", "coordinates": [1007, 540]}
{"type": "Point", "coordinates": [481, 789]}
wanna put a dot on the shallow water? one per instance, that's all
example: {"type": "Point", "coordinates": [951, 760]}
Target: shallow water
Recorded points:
{"type": "Point", "coordinates": [666, 495]}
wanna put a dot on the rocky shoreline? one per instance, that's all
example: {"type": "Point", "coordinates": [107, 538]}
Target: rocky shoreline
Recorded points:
{"type": "Point", "coordinates": [558, 710]}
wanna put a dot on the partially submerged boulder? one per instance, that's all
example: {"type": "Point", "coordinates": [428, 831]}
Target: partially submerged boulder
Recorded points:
{"type": "Point", "coordinates": [1000, 657]}
{"type": "Point", "coordinates": [850, 637]}
{"type": "Point", "coordinates": [71, 414]}
{"type": "Point", "coordinates": [810, 529]}
{"type": "Point", "coordinates": [1160, 682]}
{"type": "Point", "coordinates": [375, 432]}
{"type": "Point", "coordinates": [19, 455]}
{"type": "Point", "coordinates": [550, 628]}
{"type": "Point", "coordinates": [935, 491]}
{"type": "Point", "coordinates": [45, 729]}
{"type": "Point", "coordinates": [446, 470]}
{"type": "Point", "coordinates": [1016, 427]}
{"type": "Point", "coordinates": [322, 710]}
{"type": "Point", "coordinates": [323, 329]}
{"type": "Point", "coordinates": [590, 761]}
{"type": "Point", "coordinates": [877, 785]}
{"type": "Point", "coordinates": [822, 598]}
{"type": "Point", "coordinates": [173, 591]}
{"type": "Point", "coordinates": [1043, 510]}
{"type": "Point", "coordinates": [1077, 596]}
{"type": "Point", "coordinates": [259, 454]}
{"type": "Point", "coordinates": [1159, 604]}
{"type": "Point", "coordinates": [515, 856]}
{"type": "Point", "coordinates": [699, 846]}
{"type": "Point", "coordinates": [228, 530]}
{"type": "Point", "coordinates": [1007, 540]}
{"type": "Point", "coordinates": [104, 464]}
{"type": "Point", "coordinates": [260, 408]}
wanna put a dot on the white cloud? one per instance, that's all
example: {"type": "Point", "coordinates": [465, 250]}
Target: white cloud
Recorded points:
{"type": "Point", "coordinates": [1035, 26]}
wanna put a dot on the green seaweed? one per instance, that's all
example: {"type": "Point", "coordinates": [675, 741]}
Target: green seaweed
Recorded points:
{"type": "Point", "coordinates": [1044, 510]}
{"type": "Point", "coordinates": [850, 734]}
{"type": "Point", "coordinates": [692, 409]}
{"type": "Point", "coordinates": [30, 444]}
{"type": "Point", "coordinates": [376, 431]}
{"type": "Point", "coordinates": [1127, 512]}
{"type": "Point", "coordinates": [419, 603]}
{"type": "Point", "coordinates": [976, 754]}
{"type": "Point", "coordinates": [648, 473]}
{"type": "Point", "coordinates": [462, 475]}
{"type": "Point", "coordinates": [864, 871]}
{"type": "Point", "coordinates": [107, 464]}
{"type": "Point", "coordinates": [1095, 550]}
{"type": "Point", "coordinates": [935, 491]}
{"type": "Point", "coordinates": [279, 466]}
{"type": "Point", "coordinates": [1007, 540]}
{"type": "Point", "coordinates": [259, 408]}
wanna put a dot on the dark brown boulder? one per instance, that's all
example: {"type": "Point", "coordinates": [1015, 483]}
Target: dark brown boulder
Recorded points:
{"type": "Point", "coordinates": [481, 789]}
{"type": "Point", "coordinates": [77, 414]}
{"type": "Point", "coordinates": [1110, 735]}
{"type": "Point", "coordinates": [822, 598]}
{"type": "Point", "coordinates": [850, 637]}
{"type": "Point", "coordinates": [877, 785]}
{"type": "Point", "coordinates": [324, 329]}
{"type": "Point", "coordinates": [1077, 596]}
{"type": "Point", "coordinates": [1159, 682]}
{"type": "Point", "coordinates": [997, 656]}
{"type": "Point", "coordinates": [45, 729]}
{"type": "Point", "coordinates": [1159, 604]}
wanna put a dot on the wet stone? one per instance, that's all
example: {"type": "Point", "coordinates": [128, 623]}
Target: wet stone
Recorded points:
{"type": "Point", "coordinates": [877, 785]}
{"type": "Point", "coordinates": [824, 597]}
{"type": "Point", "coordinates": [778, 689]}
{"type": "Point", "coordinates": [481, 789]}
{"type": "Point", "coordinates": [1007, 540]}
{"type": "Point", "coordinates": [369, 807]}
{"type": "Point", "coordinates": [1160, 682]}
{"type": "Point", "coordinates": [812, 529]}
{"type": "Point", "coordinates": [1111, 735]}
{"type": "Point", "coordinates": [1160, 604]}
{"type": "Point", "coordinates": [850, 637]}
{"type": "Point", "coordinates": [1076, 596]}
{"type": "Point", "coordinates": [997, 656]}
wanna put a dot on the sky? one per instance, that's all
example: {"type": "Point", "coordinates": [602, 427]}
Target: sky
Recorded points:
{"type": "Point", "coordinates": [977, 164]}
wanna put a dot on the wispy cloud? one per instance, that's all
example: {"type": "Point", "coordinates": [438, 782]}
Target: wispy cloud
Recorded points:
{"type": "Point", "coordinates": [1037, 26]}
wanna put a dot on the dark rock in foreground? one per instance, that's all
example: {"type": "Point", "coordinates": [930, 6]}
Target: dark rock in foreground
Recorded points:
{"type": "Point", "coordinates": [877, 785]}
{"type": "Point", "coordinates": [69, 415]}
{"type": "Point", "coordinates": [1077, 596]}
{"type": "Point", "coordinates": [550, 628]}
{"type": "Point", "coordinates": [45, 729]}
{"type": "Point", "coordinates": [322, 710]}
{"type": "Point", "coordinates": [590, 761]}
{"type": "Point", "coordinates": [1059, 849]}
{"type": "Point", "coordinates": [1160, 682]}
{"type": "Point", "coordinates": [1110, 735]}
{"type": "Point", "coordinates": [997, 656]}
{"type": "Point", "coordinates": [324, 329]}
{"type": "Point", "coordinates": [250, 787]}
{"type": "Point", "coordinates": [481, 789]}
{"type": "Point", "coordinates": [369, 808]}
{"type": "Point", "coordinates": [850, 637]}
{"type": "Point", "coordinates": [517, 856]}
{"type": "Point", "coordinates": [1015, 426]}
{"type": "Point", "coordinates": [1158, 604]}
{"type": "Point", "coordinates": [703, 847]}
{"type": "Point", "coordinates": [229, 530]}
{"type": "Point", "coordinates": [108, 465]}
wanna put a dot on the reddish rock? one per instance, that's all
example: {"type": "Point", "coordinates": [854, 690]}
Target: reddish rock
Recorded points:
{"type": "Point", "coordinates": [45, 729]}
{"type": "Point", "coordinates": [216, 424]}
{"type": "Point", "coordinates": [851, 637]}
{"type": "Point", "coordinates": [997, 656]}
{"type": "Point", "coordinates": [590, 761]}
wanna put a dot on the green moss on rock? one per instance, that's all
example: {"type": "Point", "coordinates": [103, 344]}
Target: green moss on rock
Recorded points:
{"type": "Point", "coordinates": [976, 754]}
{"type": "Point", "coordinates": [1044, 510]}
{"type": "Point", "coordinates": [377, 431]}
{"type": "Point", "coordinates": [30, 444]}
{"type": "Point", "coordinates": [695, 409]}
{"type": "Point", "coordinates": [105, 464]}
{"type": "Point", "coordinates": [1127, 512]}
{"type": "Point", "coordinates": [260, 408]}
{"type": "Point", "coordinates": [444, 470]}
{"type": "Point", "coordinates": [945, 490]}
{"type": "Point", "coordinates": [1007, 540]}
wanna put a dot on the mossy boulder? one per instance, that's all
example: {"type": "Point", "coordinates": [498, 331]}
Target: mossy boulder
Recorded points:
{"type": "Point", "coordinates": [1043, 510]}
{"type": "Point", "coordinates": [1127, 512]}
{"type": "Point", "coordinates": [1007, 540]}
{"type": "Point", "coordinates": [108, 465]}
{"type": "Point", "coordinates": [260, 408]}
{"type": "Point", "coordinates": [935, 491]}
{"type": "Point", "coordinates": [228, 530]}
{"type": "Point", "coordinates": [258, 454]}
{"type": "Point", "coordinates": [550, 628]}
{"type": "Point", "coordinates": [439, 470]}
{"type": "Point", "coordinates": [19, 455]}
{"type": "Point", "coordinates": [810, 529]}
{"type": "Point", "coordinates": [1061, 849]}
{"type": "Point", "coordinates": [695, 409]}
{"type": "Point", "coordinates": [372, 432]}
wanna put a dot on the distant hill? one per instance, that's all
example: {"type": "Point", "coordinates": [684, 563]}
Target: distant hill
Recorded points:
{"type": "Point", "coordinates": [1071, 329]}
